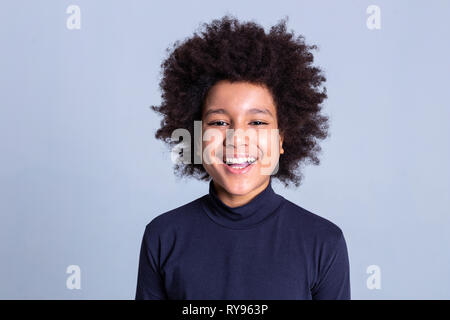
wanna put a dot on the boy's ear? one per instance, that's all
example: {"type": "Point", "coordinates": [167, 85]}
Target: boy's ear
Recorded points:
{"type": "Point", "coordinates": [281, 143]}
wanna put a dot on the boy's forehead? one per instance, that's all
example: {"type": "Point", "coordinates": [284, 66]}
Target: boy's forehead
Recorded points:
{"type": "Point", "coordinates": [224, 93]}
{"type": "Point", "coordinates": [241, 110]}
{"type": "Point", "coordinates": [224, 90]}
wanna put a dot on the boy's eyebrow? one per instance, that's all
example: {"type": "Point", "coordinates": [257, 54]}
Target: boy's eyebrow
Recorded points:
{"type": "Point", "coordinates": [252, 110]}
{"type": "Point", "coordinates": [257, 110]}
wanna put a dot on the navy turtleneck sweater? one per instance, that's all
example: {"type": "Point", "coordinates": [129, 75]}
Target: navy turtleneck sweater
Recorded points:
{"type": "Point", "coordinates": [269, 248]}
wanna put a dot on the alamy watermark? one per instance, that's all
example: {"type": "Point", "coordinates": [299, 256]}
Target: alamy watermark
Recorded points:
{"type": "Point", "coordinates": [262, 144]}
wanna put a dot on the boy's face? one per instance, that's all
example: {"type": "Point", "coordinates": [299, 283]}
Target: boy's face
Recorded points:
{"type": "Point", "coordinates": [250, 111]}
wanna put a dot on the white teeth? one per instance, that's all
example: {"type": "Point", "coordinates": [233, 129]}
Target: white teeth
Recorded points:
{"type": "Point", "coordinates": [240, 160]}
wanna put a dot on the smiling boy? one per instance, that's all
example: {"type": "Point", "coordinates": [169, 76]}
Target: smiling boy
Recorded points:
{"type": "Point", "coordinates": [242, 240]}
{"type": "Point", "coordinates": [240, 106]}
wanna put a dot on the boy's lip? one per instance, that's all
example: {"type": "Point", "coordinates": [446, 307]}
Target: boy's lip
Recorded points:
{"type": "Point", "coordinates": [235, 171]}
{"type": "Point", "coordinates": [240, 156]}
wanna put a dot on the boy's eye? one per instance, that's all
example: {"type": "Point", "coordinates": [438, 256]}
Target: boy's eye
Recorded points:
{"type": "Point", "coordinates": [219, 123]}
{"type": "Point", "coordinates": [222, 123]}
{"type": "Point", "coordinates": [258, 123]}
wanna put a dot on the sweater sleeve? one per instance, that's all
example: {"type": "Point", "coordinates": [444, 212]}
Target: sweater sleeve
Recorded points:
{"type": "Point", "coordinates": [150, 285]}
{"type": "Point", "coordinates": [334, 274]}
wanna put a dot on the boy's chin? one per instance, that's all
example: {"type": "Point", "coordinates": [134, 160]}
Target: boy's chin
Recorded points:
{"type": "Point", "coordinates": [241, 186]}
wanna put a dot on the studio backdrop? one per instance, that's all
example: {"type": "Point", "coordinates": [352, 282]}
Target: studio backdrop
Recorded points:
{"type": "Point", "coordinates": [81, 173]}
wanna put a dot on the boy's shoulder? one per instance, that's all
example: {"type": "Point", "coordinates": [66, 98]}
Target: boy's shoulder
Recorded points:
{"type": "Point", "coordinates": [310, 222]}
{"type": "Point", "coordinates": [178, 216]}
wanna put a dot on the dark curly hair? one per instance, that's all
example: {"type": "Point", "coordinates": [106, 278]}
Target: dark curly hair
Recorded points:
{"type": "Point", "coordinates": [229, 50]}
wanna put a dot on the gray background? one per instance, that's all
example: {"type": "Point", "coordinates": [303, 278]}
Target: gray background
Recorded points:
{"type": "Point", "coordinates": [81, 173]}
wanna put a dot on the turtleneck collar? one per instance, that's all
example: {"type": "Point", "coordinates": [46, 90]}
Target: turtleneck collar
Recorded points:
{"type": "Point", "coordinates": [246, 216]}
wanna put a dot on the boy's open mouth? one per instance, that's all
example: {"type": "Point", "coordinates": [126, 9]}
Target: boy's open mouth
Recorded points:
{"type": "Point", "coordinates": [239, 162]}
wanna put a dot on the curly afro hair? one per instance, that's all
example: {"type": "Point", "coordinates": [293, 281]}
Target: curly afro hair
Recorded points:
{"type": "Point", "coordinates": [227, 49]}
